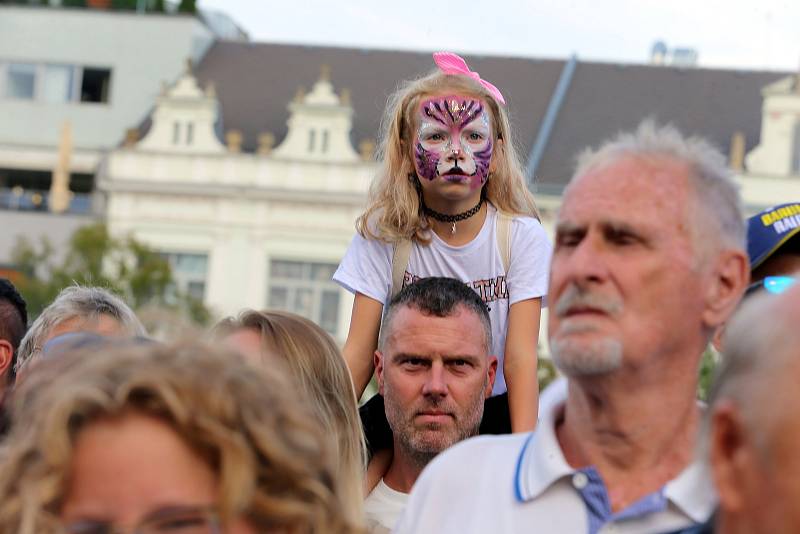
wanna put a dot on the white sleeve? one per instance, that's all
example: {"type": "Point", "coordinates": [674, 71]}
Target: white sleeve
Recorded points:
{"type": "Point", "coordinates": [366, 268]}
{"type": "Point", "coordinates": [529, 267]}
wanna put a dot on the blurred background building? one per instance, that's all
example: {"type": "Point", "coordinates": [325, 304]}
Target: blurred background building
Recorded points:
{"type": "Point", "coordinates": [246, 165]}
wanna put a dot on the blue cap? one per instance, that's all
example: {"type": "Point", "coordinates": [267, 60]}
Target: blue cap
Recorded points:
{"type": "Point", "coordinates": [770, 230]}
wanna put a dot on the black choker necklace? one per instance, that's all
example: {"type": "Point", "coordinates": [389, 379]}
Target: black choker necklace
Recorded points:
{"type": "Point", "coordinates": [443, 217]}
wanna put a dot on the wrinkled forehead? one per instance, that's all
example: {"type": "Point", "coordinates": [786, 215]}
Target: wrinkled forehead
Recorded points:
{"type": "Point", "coordinates": [452, 110]}
{"type": "Point", "coordinates": [660, 187]}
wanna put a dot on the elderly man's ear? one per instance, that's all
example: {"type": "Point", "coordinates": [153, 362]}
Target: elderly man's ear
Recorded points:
{"type": "Point", "coordinates": [6, 355]}
{"type": "Point", "coordinates": [732, 454]}
{"type": "Point", "coordinates": [730, 276]}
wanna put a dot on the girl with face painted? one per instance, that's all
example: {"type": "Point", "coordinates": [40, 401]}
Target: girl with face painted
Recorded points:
{"type": "Point", "coordinates": [449, 175]}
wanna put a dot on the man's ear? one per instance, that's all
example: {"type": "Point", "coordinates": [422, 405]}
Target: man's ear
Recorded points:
{"type": "Point", "coordinates": [378, 359]}
{"type": "Point", "coordinates": [729, 278]}
{"type": "Point", "coordinates": [731, 454]}
{"type": "Point", "coordinates": [492, 374]}
{"type": "Point", "coordinates": [6, 355]}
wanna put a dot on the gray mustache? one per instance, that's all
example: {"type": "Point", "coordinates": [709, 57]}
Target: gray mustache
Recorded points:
{"type": "Point", "coordinates": [574, 297]}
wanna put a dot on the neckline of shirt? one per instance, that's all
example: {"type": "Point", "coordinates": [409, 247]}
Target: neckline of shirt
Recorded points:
{"type": "Point", "coordinates": [488, 225]}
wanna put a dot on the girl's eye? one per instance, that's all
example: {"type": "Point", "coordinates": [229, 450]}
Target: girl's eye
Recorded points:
{"type": "Point", "coordinates": [436, 137]}
{"type": "Point", "coordinates": [475, 136]}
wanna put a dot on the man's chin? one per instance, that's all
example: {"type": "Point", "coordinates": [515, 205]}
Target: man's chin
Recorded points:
{"type": "Point", "coordinates": [576, 359]}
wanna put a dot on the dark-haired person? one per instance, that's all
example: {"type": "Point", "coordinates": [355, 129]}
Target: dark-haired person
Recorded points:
{"type": "Point", "coordinates": [434, 371]}
{"type": "Point", "coordinates": [13, 325]}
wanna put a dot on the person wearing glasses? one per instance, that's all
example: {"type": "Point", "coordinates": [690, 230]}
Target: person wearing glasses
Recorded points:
{"type": "Point", "coordinates": [155, 439]}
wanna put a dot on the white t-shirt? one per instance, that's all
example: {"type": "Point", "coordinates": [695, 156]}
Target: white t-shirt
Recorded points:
{"type": "Point", "coordinates": [383, 507]}
{"type": "Point", "coordinates": [367, 268]}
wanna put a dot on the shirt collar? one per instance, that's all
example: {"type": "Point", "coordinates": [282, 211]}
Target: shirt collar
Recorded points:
{"type": "Point", "coordinates": [541, 463]}
{"type": "Point", "coordinates": [693, 492]}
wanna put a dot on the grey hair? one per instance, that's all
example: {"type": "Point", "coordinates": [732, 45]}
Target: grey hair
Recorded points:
{"type": "Point", "coordinates": [76, 302]}
{"type": "Point", "coordinates": [718, 205]}
{"type": "Point", "coordinates": [440, 297]}
{"type": "Point", "coordinates": [759, 342]}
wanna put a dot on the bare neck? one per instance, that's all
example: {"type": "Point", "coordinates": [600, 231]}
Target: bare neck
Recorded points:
{"type": "Point", "coordinates": [404, 469]}
{"type": "Point", "coordinates": [638, 436]}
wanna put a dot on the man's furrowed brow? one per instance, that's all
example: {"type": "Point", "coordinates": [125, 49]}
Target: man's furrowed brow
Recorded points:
{"type": "Point", "coordinates": [400, 356]}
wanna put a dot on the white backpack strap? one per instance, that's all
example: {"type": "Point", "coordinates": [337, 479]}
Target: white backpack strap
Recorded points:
{"type": "Point", "coordinates": [400, 257]}
{"type": "Point", "coordinates": [503, 231]}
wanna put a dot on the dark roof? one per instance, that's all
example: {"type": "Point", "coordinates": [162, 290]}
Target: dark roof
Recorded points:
{"type": "Point", "coordinates": [256, 81]}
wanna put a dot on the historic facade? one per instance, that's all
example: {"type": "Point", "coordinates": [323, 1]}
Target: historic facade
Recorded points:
{"type": "Point", "coordinates": [263, 229]}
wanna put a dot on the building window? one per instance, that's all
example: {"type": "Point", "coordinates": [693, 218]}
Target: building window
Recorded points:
{"type": "Point", "coordinates": [95, 85]}
{"type": "Point", "coordinates": [189, 133]}
{"type": "Point", "coordinates": [312, 137]}
{"type": "Point", "coordinates": [176, 132]}
{"type": "Point", "coordinates": [58, 83]}
{"type": "Point", "coordinates": [55, 83]}
{"type": "Point", "coordinates": [305, 288]}
{"type": "Point", "coordinates": [21, 80]}
{"type": "Point", "coordinates": [796, 150]}
{"type": "Point", "coordinates": [324, 141]}
{"type": "Point", "coordinates": [188, 273]}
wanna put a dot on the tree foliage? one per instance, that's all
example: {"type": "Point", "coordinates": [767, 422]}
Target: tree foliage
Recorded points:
{"type": "Point", "coordinates": [187, 6]}
{"type": "Point", "coordinates": [93, 257]}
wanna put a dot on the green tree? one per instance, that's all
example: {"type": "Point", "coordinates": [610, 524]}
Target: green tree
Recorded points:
{"type": "Point", "coordinates": [708, 366]}
{"type": "Point", "coordinates": [93, 257]}
{"type": "Point", "coordinates": [187, 6]}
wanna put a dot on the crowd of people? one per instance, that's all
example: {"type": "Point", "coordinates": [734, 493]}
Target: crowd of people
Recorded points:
{"type": "Point", "coordinates": [258, 429]}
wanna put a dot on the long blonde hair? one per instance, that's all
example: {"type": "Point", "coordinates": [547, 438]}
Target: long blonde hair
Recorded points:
{"type": "Point", "coordinates": [313, 359]}
{"type": "Point", "coordinates": [273, 464]}
{"type": "Point", "coordinates": [393, 211]}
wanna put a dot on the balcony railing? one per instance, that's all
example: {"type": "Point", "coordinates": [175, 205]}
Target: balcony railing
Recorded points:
{"type": "Point", "coordinates": [18, 199]}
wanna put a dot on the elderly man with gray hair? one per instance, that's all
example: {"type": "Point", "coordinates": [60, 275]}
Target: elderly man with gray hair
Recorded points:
{"type": "Point", "coordinates": [78, 309]}
{"type": "Point", "coordinates": [649, 260]}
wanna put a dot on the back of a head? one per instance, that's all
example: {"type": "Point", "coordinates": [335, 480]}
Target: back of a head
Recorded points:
{"type": "Point", "coordinates": [439, 297]}
{"type": "Point", "coordinates": [273, 465]}
{"type": "Point", "coordinates": [760, 341]}
{"type": "Point", "coordinates": [13, 320]}
{"type": "Point", "coordinates": [85, 304]}
{"type": "Point", "coordinates": [716, 216]}
{"type": "Point", "coordinates": [314, 362]}
{"type": "Point", "coordinates": [751, 435]}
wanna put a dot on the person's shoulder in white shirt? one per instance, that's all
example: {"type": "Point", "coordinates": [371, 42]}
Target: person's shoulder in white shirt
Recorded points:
{"type": "Point", "coordinates": [383, 507]}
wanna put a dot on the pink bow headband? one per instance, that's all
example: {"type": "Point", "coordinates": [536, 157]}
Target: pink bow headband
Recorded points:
{"type": "Point", "coordinates": [450, 63]}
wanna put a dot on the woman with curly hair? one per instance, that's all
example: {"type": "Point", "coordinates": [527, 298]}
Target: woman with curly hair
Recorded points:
{"type": "Point", "coordinates": [183, 439]}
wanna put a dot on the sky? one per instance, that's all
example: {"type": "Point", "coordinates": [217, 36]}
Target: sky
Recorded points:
{"type": "Point", "coordinates": [748, 34]}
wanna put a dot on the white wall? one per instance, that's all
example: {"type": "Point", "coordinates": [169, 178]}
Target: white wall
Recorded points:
{"type": "Point", "coordinates": [141, 50]}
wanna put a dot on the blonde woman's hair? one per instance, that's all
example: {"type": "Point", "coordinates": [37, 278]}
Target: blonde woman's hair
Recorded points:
{"type": "Point", "coordinates": [393, 211]}
{"type": "Point", "coordinates": [313, 359]}
{"type": "Point", "coordinates": [274, 466]}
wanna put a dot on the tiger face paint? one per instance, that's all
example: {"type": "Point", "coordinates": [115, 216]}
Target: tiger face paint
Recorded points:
{"type": "Point", "coordinates": [453, 140]}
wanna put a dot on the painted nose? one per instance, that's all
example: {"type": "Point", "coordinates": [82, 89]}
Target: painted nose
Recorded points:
{"type": "Point", "coordinates": [456, 153]}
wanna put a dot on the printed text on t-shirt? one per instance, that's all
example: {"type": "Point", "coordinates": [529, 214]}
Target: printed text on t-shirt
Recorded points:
{"type": "Point", "coordinates": [489, 290]}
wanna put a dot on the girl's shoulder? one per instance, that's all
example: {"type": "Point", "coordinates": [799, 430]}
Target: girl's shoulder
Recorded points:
{"type": "Point", "coordinates": [519, 221]}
